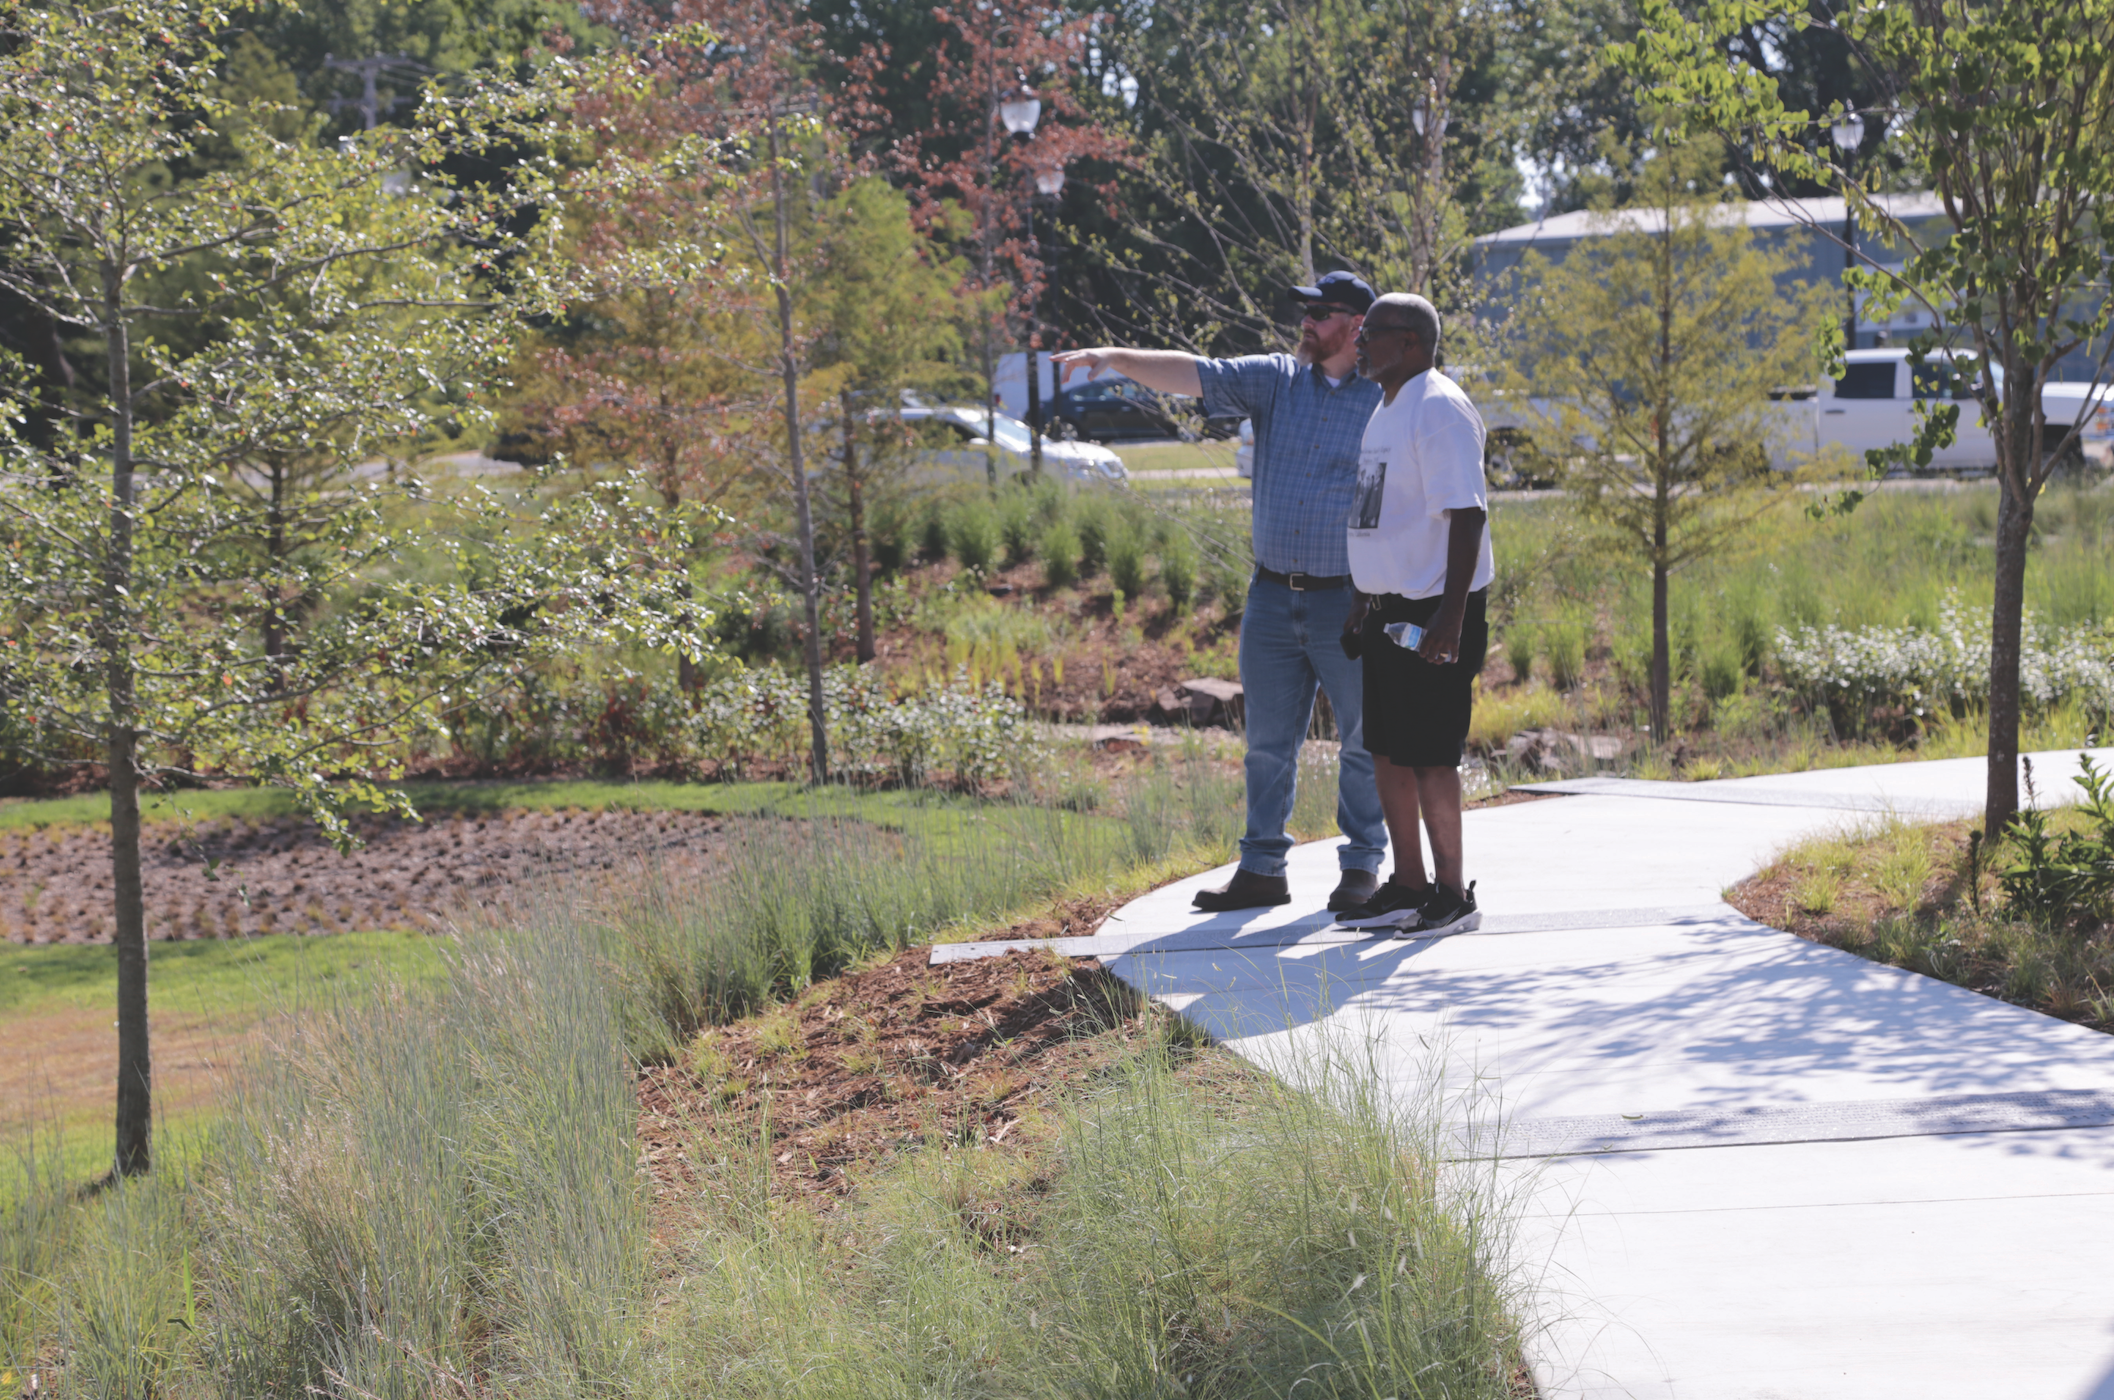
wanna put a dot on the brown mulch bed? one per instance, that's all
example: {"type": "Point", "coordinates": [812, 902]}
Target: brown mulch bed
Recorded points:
{"type": "Point", "coordinates": [282, 876]}
{"type": "Point", "coordinates": [877, 1061]}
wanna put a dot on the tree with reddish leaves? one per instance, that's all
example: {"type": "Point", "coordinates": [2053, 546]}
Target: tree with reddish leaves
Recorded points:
{"type": "Point", "coordinates": [688, 363]}
{"type": "Point", "coordinates": [731, 328]}
{"type": "Point", "coordinates": [970, 177]}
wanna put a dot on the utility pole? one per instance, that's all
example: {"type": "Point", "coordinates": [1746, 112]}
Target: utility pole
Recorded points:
{"type": "Point", "coordinates": [1847, 132]}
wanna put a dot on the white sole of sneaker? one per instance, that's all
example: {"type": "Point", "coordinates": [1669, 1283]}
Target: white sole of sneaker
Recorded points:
{"type": "Point", "coordinates": [1467, 923]}
{"type": "Point", "coordinates": [1399, 918]}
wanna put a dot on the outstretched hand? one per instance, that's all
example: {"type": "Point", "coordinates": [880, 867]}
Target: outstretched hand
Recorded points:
{"type": "Point", "coordinates": [1092, 361]}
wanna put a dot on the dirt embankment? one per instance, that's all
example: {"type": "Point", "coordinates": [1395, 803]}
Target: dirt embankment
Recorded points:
{"type": "Point", "coordinates": [229, 879]}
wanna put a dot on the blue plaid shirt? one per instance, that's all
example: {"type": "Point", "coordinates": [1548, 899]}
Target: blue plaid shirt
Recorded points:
{"type": "Point", "coordinates": [1307, 438]}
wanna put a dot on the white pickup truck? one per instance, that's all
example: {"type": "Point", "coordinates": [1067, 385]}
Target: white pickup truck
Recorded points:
{"type": "Point", "coordinates": [1873, 405]}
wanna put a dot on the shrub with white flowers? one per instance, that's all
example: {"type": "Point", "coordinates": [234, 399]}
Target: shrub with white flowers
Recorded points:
{"type": "Point", "coordinates": [1852, 673]}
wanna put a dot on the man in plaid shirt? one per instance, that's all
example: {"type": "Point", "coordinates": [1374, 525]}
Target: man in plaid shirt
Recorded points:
{"type": "Point", "coordinates": [1310, 412]}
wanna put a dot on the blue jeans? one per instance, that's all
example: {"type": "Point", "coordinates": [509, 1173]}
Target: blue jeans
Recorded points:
{"type": "Point", "coordinates": [1289, 644]}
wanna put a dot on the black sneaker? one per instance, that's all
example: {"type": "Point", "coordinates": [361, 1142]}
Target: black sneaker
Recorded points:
{"type": "Point", "coordinates": [1447, 912]}
{"type": "Point", "coordinates": [1392, 906]}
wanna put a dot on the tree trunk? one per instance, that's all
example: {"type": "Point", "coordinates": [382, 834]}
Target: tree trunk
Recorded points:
{"type": "Point", "coordinates": [275, 545]}
{"type": "Point", "coordinates": [789, 366]}
{"type": "Point", "coordinates": [1303, 186]}
{"type": "Point", "coordinates": [135, 1066]}
{"type": "Point", "coordinates": [688, 678]}
{"type": "Point", "coordinates": [1662, 487]}
{"type": "Point", "coordinates": [861, 567]}
{"type": "Point", "coordinates": [1662, 652]}
{"type": "Point", "coordinates": [2006, 620]}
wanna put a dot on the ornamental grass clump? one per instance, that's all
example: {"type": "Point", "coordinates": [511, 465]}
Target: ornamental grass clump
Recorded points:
{"type": "Point", "coordinates": [1187, 1234]}
{"type": "Point", "coordinates": [973, 532]}
{"type": "Point", "coordinates": [798, 902]}
{"type": "Point", "coordinates": [1060, 550]}
{"type": "Point", "coordinates": [1178, 568]}
{"type": "Point", "coordinates": [1126, 562]}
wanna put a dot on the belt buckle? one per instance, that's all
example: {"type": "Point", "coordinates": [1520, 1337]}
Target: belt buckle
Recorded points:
{"type": "Point", "coordinates": [1292, 581]}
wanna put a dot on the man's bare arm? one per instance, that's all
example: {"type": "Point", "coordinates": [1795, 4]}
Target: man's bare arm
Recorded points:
{"type": "Point", "coordinates": [1169, 371]}
{"type": "Point", "coordinates": [1464, 547]}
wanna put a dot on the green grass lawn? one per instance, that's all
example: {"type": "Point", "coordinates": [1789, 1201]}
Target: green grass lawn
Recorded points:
{"type": "Point", "coordinates": [231, 977]}
{"type": "Point", "coordinates": [207, 1001]}
{"type": "Point", "coordinates": [1175, 456]}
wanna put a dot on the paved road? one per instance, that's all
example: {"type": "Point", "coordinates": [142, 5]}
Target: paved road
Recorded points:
{"type": "Point", "coordinates": [1746, 1167]}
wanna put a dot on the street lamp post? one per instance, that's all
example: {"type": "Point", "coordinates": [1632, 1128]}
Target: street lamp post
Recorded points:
{"type": "Point", "coordinates": [1049, 184]}
{"type": "Point", "coordinates": [1848, 135]}
{"type": "Point", "coordinates": [1019, 113]}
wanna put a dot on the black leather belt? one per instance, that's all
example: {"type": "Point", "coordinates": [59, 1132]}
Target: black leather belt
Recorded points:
{"type": "Point", "coordinates": [1302, 583]}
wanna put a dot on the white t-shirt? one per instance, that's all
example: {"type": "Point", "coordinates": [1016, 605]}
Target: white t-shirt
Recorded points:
{"type": "Point", "coordinates": [1422, 456]}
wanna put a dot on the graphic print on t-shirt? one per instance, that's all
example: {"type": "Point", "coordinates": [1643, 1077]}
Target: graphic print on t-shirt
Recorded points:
{"type": "Point", "coordinates": [1372, 485]}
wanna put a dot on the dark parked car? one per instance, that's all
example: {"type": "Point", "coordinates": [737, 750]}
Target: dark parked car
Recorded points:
{"type": "Point", "coordinates": [1111, 410]}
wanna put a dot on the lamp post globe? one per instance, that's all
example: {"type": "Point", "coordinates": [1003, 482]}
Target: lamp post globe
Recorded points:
{"type": "Point", "coordinates": [1848, 132]}
{"type": "Point", "coordinates": [1019, 111]}
{"type": "Point", "coordinates": [1050, 181]}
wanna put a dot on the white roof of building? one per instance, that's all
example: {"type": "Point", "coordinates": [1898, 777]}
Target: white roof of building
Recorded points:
{"type": "Point", "coordinates": [1759, 214]}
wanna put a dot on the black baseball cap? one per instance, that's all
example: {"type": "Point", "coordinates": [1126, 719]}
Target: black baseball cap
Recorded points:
{"type": "Point", "coordinates": [1339, 288]}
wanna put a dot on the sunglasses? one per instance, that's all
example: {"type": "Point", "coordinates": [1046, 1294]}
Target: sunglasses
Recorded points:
{"type": "Point", "coordinates": [1367, 332]}
{"type": "Point", "coordinates": [1320, 311]}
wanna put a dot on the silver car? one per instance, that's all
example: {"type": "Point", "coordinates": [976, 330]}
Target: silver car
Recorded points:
{"type": "Point", "coordinates": [957, 446]}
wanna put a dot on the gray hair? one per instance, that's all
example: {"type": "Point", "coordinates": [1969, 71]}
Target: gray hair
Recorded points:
{"type": "Point", "coordinates": [1414, 312]}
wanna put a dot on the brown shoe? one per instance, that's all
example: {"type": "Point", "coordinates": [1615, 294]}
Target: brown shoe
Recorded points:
{"type": "Point", "coordinates": [1246, 890]}
{"type": "Point", "coordinates": [1356, 887]}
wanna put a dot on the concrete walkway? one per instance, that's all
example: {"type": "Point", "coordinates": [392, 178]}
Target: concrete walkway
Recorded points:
{"type": "Point", "coordinates": [1745, 1166]}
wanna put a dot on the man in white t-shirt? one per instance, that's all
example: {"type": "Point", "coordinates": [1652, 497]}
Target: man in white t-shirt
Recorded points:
{"type": "Point", "coordinates": [1419, 544]}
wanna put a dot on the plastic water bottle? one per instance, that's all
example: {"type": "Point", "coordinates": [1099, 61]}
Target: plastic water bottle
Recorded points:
{"type": "Point", "coordinates": [1405, 634]}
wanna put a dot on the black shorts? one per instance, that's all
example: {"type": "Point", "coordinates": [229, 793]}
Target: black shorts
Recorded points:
{"type": "Point", "coordinates": [1416, 714]}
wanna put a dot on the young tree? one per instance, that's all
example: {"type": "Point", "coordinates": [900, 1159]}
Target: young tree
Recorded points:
{"type": "Point", "coordinates": [340, 297]}
{"type": "Point", "coordinates": [881, 320]}
{"type": "Point", "coordinates": [653, 378]}
{"type": "Point", "coordinates": [1652, 352]}
{"type": "Point", "coordinates": [819, 289]}
{"type": "Point", "coordinates": [2008, 110]}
